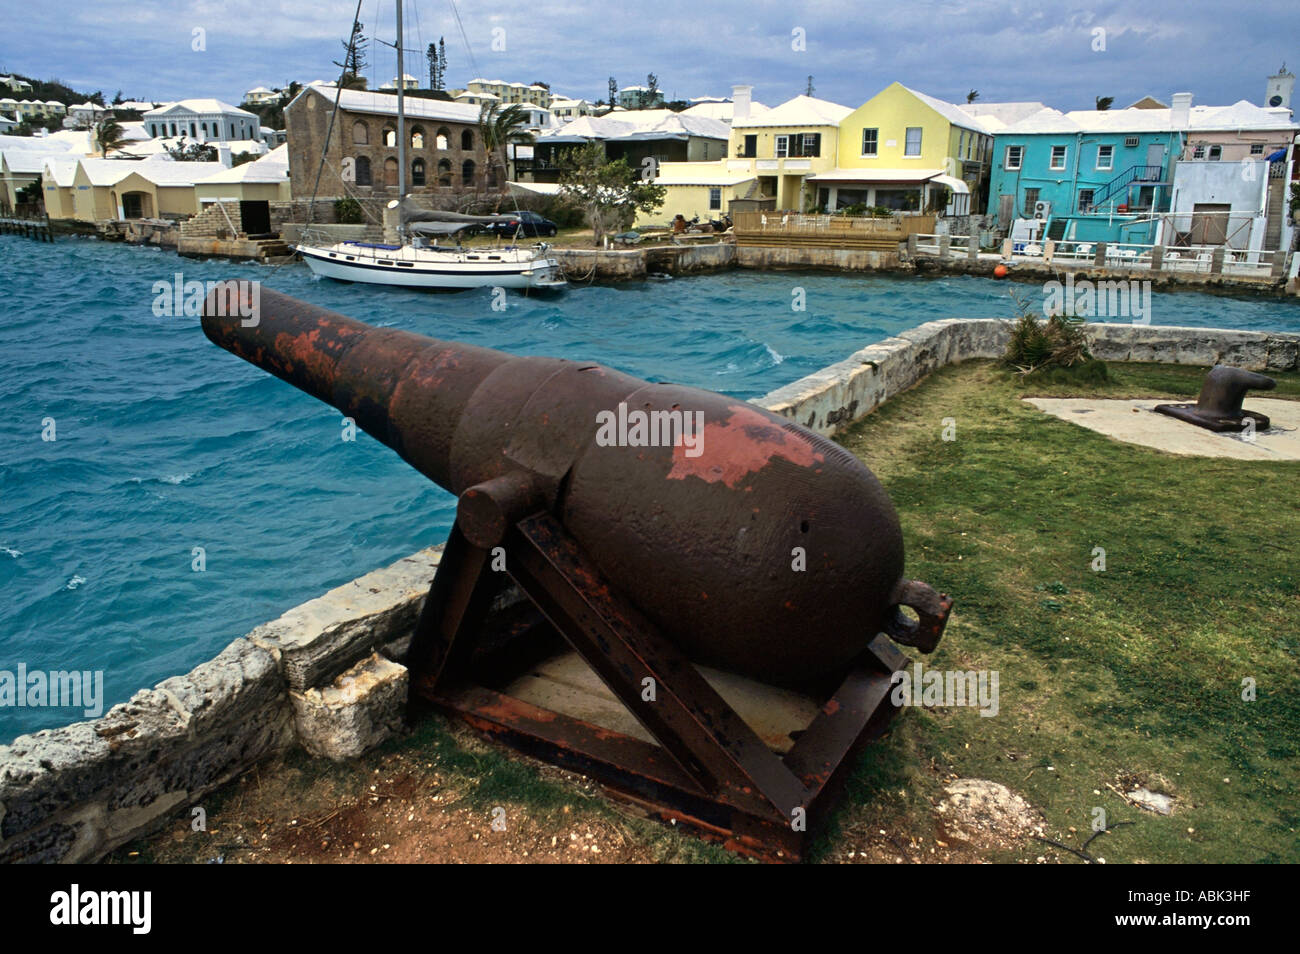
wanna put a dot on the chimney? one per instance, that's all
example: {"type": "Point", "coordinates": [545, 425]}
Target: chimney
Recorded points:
{"type": "Point", "coordinates": [740, 103]}
{"type": "Point", "coordinates": [1180, 114]}
{"type": "Point", "coordinates": [223, 154]}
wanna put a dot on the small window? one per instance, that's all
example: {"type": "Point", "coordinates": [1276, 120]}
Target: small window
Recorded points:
{"type": "Point", "coordinates": [466, 141]}
{"type": "Point", "coordinates": [1257, 149]}
{"type": "Point", "coordinates": [417, 172]}
{"type": "Point", "coordinates": [390, 137]}
{"type": "Point", "coordinates": [912, 141]}
{"type": "Point", "coordinates": [363, 171]}
{"type": "Point", "coordinates": [782, 146]}
{"type": "Point", "coordinates": [1058, 157]}
{"type": "Point", "coordinates": [1216, 153]}
{"type": "Point", "coordinates": [1015, 154]}
{"type": "Point", "coordinates": [1085, 199]}
{"type": "Point", "coordinates": [1198, 152]}
{"type": "Point", "coordinates": [1031, 200]}
{"type": "Point", "coordinates": [715, 199]}
{"type": "Point", "coordinates": [360, 133]}
{"type": "Point", "coordinates": [1131, 142]}
{"type": "Point", "coordinates": [812, 144]}
{"type": "Point", "coordinates": [1105, 157]}
{"type": "Point", "coordinates": [870, 141]}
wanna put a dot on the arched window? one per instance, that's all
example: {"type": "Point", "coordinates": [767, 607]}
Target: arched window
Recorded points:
{"type": "Point", "coordinates": [363, 171]}
{"type": "Point", "coordinates": [466, 140]}
{"type": "Point", "coordinates": [443, 139]}
{"type": "Point", "coordinates": [390, 172]}
{"type": "Point", "coordinates": [467, 172]}
{"type": "Point", "coordinates": [444, 172]}
{"type": "Point", "coordinates": [204, 127]}
{"type": "Point", "coordinates": [417, 137]}
{"type": "Point", "coordinates": [390, 137]}
{"type": "Point", "coordinates": [360, 133]}
{"type": "Point", "coordinates": [417, 172]}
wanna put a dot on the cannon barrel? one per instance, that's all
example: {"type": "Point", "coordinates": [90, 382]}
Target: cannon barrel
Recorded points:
{"type": "Point", "coordinates": [753, 543]}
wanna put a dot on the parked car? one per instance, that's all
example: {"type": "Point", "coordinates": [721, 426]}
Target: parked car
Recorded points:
{"type": "Point", "coordinates": [528, 224]}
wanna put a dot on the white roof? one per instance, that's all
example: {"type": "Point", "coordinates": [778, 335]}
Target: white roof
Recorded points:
{"type": "Point", "coordinates": [273, 167]}
{"type": "Point", "coordinates": [257, 89]}
{"type": "Point", "coordinates": [800, 111]}
{"type": "Point", "coordinates": [364, 101]}
{"type": "Point", "coordinates": [997, 116]}
{"type": "Point", "coordinates": [197, 106]}
{"type": "Point", "coordinates": [61, 170]}
{"type": "Point", "coordinates": [955, 114]}
{"type": "Point", "coordinates": [156, 169]}
{"type": "Point", "coordinates": [639, 124]}
{"type": "Point", "coordinates": [1240, 115]}
{"type": "Point", "coordinates": [722, 110]}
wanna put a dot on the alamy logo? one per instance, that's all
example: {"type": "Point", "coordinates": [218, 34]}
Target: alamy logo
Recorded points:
{"type": "Point", "coordinates": [947, 688]}
{"type": "Point", "coordinates": [75, 907]}
{"type": "Point", "coordinates": [638, 428]}
{"type": "Point", "coordinates": [1105, 299]}
{"type": "Point", "coordinates": [177, 298]}
{"type": "Point", "coordinates": [57, 689]}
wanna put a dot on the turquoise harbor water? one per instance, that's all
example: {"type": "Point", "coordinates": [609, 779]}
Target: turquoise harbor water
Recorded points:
{"type": "Point", "coordinates": [166, 443]}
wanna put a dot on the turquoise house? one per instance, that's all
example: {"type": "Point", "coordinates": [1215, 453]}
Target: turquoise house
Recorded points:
{"type": "Point", "coordinates": [1090, 175]}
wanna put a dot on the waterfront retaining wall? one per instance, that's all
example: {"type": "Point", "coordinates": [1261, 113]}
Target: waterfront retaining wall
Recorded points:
{"type": "Point", "coordinates": [328, 675]}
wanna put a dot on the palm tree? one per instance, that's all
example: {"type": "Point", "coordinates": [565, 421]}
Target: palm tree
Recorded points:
{"type": "Point", "coordinates": [498, 128]}
{"type": "Point", "coordinates": [972, 96]}
{"type": "Point", "coordinates": [109, 134]}
{"type": "Point", "coordinates": [1103, 102]}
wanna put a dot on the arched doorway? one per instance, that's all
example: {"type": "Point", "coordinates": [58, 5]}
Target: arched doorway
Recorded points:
{"type": "Point", "coordinates": [467, 172]}
{"type": "Point", "coordinates": [390, 173]}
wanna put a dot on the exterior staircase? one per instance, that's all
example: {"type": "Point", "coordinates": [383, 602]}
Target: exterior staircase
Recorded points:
{"type": "Point", "coordinates": [1147, 175]}
{"type": "Point", "coordinates": [1277, 209]}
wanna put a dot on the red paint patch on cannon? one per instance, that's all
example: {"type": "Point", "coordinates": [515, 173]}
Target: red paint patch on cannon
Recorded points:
{"type": "Point", "coordinates": [743, 444]}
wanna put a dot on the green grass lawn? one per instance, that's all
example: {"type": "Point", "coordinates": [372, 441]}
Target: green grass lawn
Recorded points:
{"type": "Point", "coordinates": [1131, 674]}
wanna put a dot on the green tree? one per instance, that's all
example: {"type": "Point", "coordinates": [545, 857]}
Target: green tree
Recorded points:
{"type": "Point", "coordinates": [499, 128]}
{"type": "Point", "coordinates": [972, 96]}
{"type": "Point", "coordinates": [1103, 102]}
{"type": "Point", "coordinates": [109, 135]}
{"type": "Point", "coordinates": [185, 151]}
{"type": "Point", "coordinates": [611, 193]}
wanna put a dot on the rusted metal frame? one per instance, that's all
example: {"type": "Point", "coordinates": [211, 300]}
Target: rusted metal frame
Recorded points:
{"type": "Point", "coordinates": [454, 609]}
{"type": "Point", "coordinates": [688, 718]}
{"type": "Point", "coordinates": [629, 769]}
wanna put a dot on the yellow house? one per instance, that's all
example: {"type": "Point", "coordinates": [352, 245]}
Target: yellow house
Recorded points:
{"type": "Point", "coordinates": [784, 147]}
{"type": "Point", "coordinates": [263, 179]}
{"type": "Point", "coordinates": [771, 154]}
{"type": "Point", "coordinates": [101, 189]}
{"type": "Point", "coordinates": [904, 150]}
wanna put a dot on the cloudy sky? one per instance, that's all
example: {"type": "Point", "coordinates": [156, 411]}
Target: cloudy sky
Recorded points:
{"type": "Point", "coordinates": [1062, 53]}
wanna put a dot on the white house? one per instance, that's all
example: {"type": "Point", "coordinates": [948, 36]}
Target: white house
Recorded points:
{"type": "Point", "coordinates": [202, 120]}
{"type": "Point", "coordinates": [260, 96]}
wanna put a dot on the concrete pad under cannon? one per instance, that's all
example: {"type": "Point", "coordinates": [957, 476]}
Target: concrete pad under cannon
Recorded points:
{"type": "Point", "coordinates": [566, 684]}
{"type": "Point", "coordinates": [1134, 422]}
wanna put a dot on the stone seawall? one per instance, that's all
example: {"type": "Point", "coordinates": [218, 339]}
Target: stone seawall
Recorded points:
{"type": "Point", "coordinates": [328, 675]}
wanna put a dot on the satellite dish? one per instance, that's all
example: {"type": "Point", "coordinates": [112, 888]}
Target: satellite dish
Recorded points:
{"type": "Point", "coordinates": [393, 204]}
{"type": "Point", "coordinates": [1275, 100]}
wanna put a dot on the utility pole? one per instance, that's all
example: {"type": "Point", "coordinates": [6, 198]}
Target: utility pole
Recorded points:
{"type": "Point", "coordinates": [401, 106]}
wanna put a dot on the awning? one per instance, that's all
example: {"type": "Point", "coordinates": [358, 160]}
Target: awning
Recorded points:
{"type": "Point", "coordinates": [1277, 156]}
{"type": "Point", "coordinates": [956, 185]}
{"type": "Point", "coordinates": [876, 175]}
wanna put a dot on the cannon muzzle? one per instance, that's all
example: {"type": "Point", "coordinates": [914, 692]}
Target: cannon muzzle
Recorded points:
{"type": "Point", "coordinates": [753, 543]}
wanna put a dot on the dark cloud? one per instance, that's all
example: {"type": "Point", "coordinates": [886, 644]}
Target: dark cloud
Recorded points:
{"type": "Point", "coordinates": [1008, 51]}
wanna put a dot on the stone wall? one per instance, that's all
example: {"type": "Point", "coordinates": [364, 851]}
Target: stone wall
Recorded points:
{"type": "Point", "coordinates": [326, 675]}
{"type": "Point", "coordinates": [836, 396]}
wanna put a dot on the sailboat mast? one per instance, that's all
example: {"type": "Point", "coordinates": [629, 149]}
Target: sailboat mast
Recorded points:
{"type": "Point", "coordinates": [401, 110]}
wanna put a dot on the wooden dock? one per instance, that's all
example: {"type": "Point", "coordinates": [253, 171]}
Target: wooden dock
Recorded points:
{"type": "Point", "coordinates": [35, 228]}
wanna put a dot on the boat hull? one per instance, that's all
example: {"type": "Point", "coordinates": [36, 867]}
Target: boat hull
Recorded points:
{"type": "Point", "coordinates": [410, 272]}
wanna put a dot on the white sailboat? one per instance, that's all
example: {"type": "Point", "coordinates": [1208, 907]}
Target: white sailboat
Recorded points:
{"type": "Point", "coordinates": [419, 260]}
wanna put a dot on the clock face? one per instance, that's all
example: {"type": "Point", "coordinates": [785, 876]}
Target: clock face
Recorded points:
{"type": "Point", "coordinates": [1275, 100]}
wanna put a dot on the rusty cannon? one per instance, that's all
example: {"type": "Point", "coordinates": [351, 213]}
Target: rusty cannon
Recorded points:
{"type": "Point", "coordinates": [663, 531]}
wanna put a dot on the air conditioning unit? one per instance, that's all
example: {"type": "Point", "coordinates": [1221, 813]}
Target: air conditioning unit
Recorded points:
{"type": "Point", "coordinates": [1042, 210]}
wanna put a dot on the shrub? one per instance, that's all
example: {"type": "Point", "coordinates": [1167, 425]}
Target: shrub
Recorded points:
{"type": "Point", "coordinates": [1059, 342]}
{"type": "Point", "coordinates": [347, 211]}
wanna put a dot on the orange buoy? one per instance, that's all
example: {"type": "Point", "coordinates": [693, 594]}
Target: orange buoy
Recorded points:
{"type": "Point", "coordinates": [1000, 271]}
